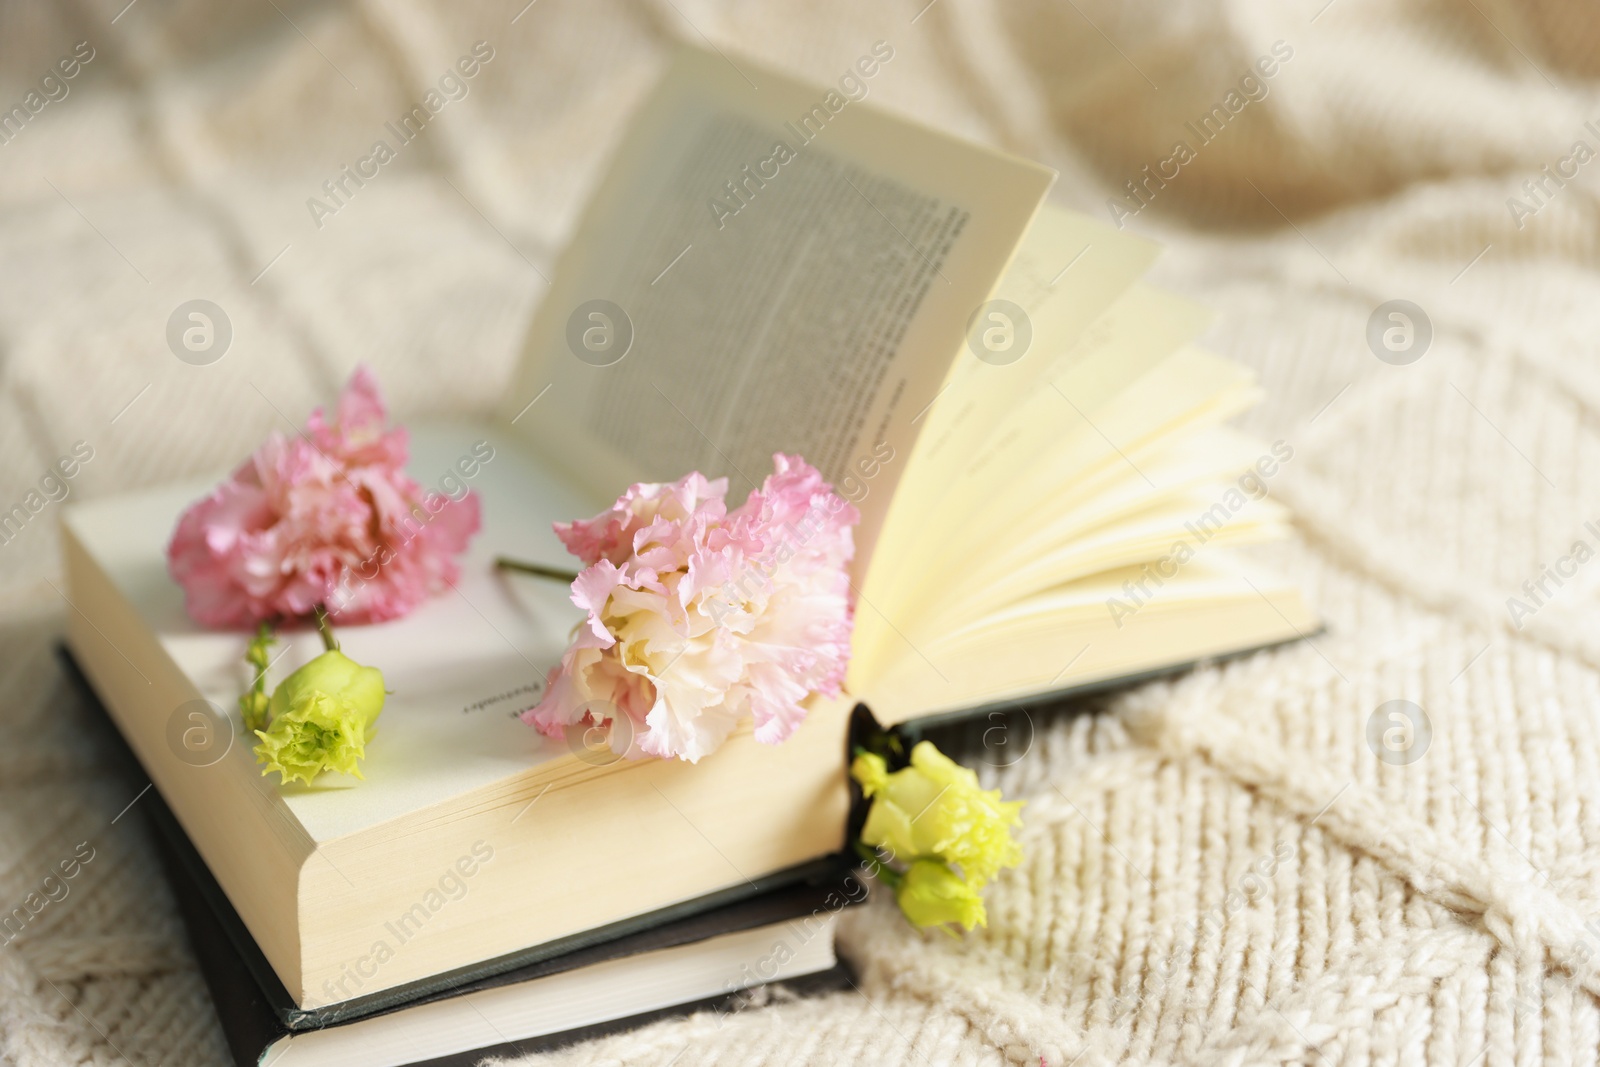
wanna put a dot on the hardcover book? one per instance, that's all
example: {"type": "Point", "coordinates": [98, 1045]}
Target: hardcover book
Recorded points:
{"type": "Point", "coordinates": [708, 959]}
{"type": "Point", "coordinates": [1050, 498]}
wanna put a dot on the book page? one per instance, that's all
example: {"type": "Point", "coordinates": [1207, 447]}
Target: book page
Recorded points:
{"type": "Point", "coordinates": [1023, 515]}
{"type": "Point", "coordinates": [1068, 270]}
{"type": "Point", "coordinates": [767, 267]}
{"type": "Point", "coordinates": [457, 669]}
{"type": "Point", "coordinates": [987, 496]}
{"type": "Point", "coordinates": [1065, 639]}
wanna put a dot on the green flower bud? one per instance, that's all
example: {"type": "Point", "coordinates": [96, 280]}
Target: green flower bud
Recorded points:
{"type": "Point", "coordinates": [320, 718]}
{"type": "Point", "coordinates": [935, 809]}
{"type": "Point", "coordinates": [872, 771]}
{"type": "Point", "coordinates": [931, 894]}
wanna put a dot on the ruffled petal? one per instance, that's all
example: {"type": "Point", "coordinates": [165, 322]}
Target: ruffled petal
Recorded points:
{"type": "Point", "coordinates": [718, 616]}
{"type": "Point", "coordinates": [330, 518]}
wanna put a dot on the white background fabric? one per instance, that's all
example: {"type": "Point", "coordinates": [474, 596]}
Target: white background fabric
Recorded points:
{"type": "Point", "coordinates": [1428, 912]}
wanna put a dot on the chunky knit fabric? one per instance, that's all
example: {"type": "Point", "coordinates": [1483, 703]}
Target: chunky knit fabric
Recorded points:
{"type": "Point", "coordinates": [1238, 866]}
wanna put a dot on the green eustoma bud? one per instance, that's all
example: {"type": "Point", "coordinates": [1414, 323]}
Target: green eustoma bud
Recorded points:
{"type": "Point", "coordinates": [934, 809]}
{"type": "Point", "coordinates": [932, 816]}
{"type": "Point", "coordinates": [320, 718]}
{"type": "Point", "coordinates": [931, 894]}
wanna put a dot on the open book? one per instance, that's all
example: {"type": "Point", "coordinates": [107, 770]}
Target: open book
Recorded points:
{"type": "Point", "coordinates": [1022, 423]}
{"type": "Point", "coordinates": [1049, 500]}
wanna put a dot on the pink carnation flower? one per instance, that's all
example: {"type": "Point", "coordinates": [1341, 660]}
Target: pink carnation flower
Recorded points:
{"type": "Point", "coordinates": [326, 518]}
{"type": "Point", "coordinates": [698, 617]}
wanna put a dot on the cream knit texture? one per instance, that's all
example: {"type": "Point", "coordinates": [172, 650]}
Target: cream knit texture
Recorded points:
{"type": "Point", "coordinates": [1229, 867]}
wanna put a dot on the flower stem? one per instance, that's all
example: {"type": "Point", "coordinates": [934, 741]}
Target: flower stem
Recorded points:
{"type": "Point", "coordinates": [506, 563]}
{"type": "Point", "coordinates": [253, 703]}
{"type": "Point", "coordinates": [876, 867]}
{"type": "Point", "coordinates": [329, 642]}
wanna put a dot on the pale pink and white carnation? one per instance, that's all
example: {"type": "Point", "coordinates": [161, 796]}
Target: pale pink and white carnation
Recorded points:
{"type": "Point", "coordinates": [325, 518]}
{"type": "Point", "coordinates": [699, 617]}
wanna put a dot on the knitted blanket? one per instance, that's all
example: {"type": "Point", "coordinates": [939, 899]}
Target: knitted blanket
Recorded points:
{"type": "Point", "coordinates": [1374, 846]}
